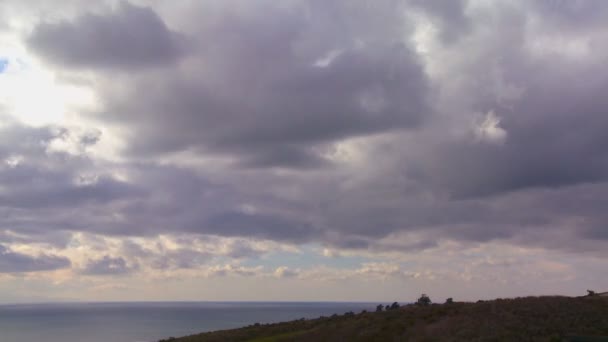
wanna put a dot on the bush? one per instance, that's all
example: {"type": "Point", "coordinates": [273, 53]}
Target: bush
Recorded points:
{"type": "Point", "coordinates": [424, 300]}
{"type": "Point", "coordinates": [449, 301]}
{"type": "Point", "coordinates": [379, 307]}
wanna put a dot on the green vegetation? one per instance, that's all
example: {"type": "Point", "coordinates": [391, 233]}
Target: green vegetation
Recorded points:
{"type": "Point", "coordinates": [519, 319]}
{"type": "Point", "coordinates": [424, 300]}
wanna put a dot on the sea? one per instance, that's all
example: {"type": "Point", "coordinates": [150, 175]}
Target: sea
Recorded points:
{"type": "Point", "coordinates": [149, 321]}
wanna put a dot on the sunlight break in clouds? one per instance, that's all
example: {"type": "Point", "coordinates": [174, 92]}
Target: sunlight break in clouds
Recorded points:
{"type": "Point", "coordinates": [33, 96]}
{"type": "Point", "coordinates": [488, 129]}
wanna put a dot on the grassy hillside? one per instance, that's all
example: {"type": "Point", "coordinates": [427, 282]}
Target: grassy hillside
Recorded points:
{"type": "Point", "coordinates": [520, 319]}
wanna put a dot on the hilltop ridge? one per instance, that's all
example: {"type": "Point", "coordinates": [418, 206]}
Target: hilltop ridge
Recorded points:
{"type": "Point", "coordinates": [548, 318]}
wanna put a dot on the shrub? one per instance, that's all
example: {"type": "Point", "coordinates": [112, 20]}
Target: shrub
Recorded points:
{"type": "Point", "coordinates": [424, 300]}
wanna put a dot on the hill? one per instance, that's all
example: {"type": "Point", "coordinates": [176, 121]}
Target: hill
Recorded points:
{"type": "Point", "coordinates": [519, 319]}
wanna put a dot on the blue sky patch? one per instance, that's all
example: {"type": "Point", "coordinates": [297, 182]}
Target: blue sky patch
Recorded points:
{"type": "Point", "coordinates": [3, 64]}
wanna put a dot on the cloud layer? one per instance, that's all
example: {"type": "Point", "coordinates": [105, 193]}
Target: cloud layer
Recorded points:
{"type": "Point", "coordinates": [126, 38]}
{"type": "Point", "coordinates": [370, 130]}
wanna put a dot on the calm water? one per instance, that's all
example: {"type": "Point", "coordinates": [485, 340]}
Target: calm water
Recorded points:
{"type": "Point", "coordinates": [135, 322]}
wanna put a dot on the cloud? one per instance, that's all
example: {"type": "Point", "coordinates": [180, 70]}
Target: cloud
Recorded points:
{"type": "Point", "coordinates": [14, 262]}
{"type": "Point", "coordinates": [49, 191]}
{"type": "Point", "coordinates": [285, 272]}
{"type": "Point", "coordinates": [263, 122]}
{"type": "Point", "coordinates": [544, 146]}
{"type": "Point", "coordinates": [373, 269]}
{"type": "Point", "coordinates": [240, 249]}
{"type": "Point", "coordinates": [274, 107]}
{"type": "Point", "coordinates": [231, 270]}
{"type": "Point", "coordinates": [108, 265]}
{"type": "Point", "coordinates": [367, 272]}
{"type": "Point", "coordinates": [258, 225]}
{"type": "Point", "coordinates": [129, 37]}
{"type": "Point", "coordinates": [389, 129]}
{"type": "Point", "coordinates": [448, 15]}
{"type": "Point", "coordinates": [488, 129]}
{"type": "Point", "coordinates": [182, 258]}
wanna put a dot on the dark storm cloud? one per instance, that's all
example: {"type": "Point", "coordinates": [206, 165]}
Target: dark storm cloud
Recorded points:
{"type": "Point", "coordinates": [449, 16]}
{"type": "Point", "coordinates": [254, 93]}
{"type": "Point", "coordinates": [290, 87]}
{"type": "Point", "coordinates": [459, 187]}
{"type": "Point", "coordinates": [290, 156]}
{"type": "Point", "coordinates": [55, 190]}
{"type": "Point", "coordinates": [260, 226]}
{"type": "Point", "coordinates": [46, 192]}
{"type": "Point", "coordinates": [278, 121]}
{"type": "Point", "coordinates": [129, 37]}
{"type": "Point", "coordinates": [14, 262]}
{"type": "Point", "coordinates": [352, 242]}
{"type": "Point", "coordinates": [554, 137]}
{"type": "Point", "coordinates": [38, 177]}
{"type": "Point", "coordinates": [565, 16]}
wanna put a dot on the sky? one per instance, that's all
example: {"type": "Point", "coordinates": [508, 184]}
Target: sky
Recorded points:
{"type": "Point", "coordinates": [342, 150]}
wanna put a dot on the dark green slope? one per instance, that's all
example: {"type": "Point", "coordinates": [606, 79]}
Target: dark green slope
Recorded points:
{"type": "Point", "coordinates": [520, 319]}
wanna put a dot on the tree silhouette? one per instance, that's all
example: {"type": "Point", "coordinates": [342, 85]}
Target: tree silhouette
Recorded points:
{"type": "Point", "coordinates": [424, 300]}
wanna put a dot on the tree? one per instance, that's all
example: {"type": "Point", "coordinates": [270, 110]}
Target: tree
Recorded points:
{"type": "Point", "coordinates": [449, 301]}
{"type": "Point", "coordinates": [590, 293]}
{"type": "Point", "coordinates": [394, 306]}
{"type": "Point", "coordinates": [379, 307]}
{"type": "Point", "coordinates": [424, 300]}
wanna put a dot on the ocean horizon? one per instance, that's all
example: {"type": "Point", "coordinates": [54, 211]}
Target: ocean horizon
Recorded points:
{"type": "Point", "coordinates": [149, 321]}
